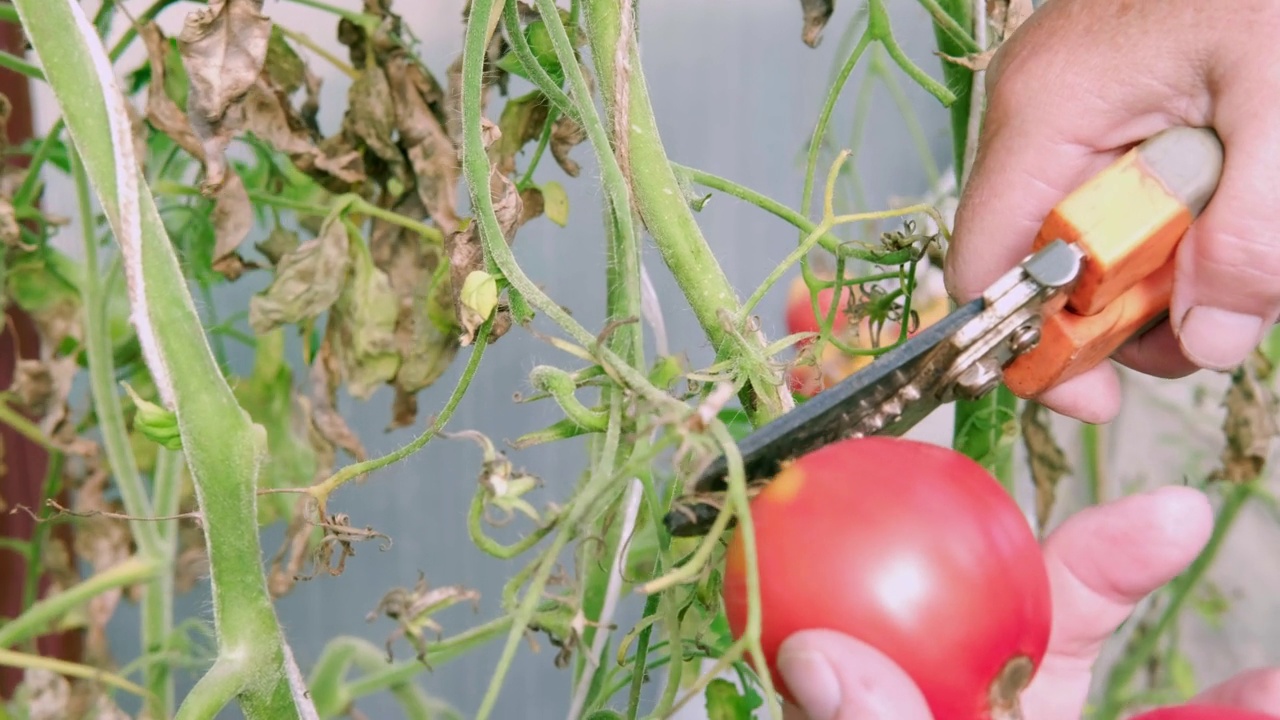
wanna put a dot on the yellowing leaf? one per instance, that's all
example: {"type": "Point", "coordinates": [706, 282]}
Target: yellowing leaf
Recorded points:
{"type": "Point", "coordinates": [308, 280]}
{"type": "Point", "coordinates": [555, 203]}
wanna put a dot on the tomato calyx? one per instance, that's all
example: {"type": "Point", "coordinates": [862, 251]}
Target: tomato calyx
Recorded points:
{"type": "Point", "coordinates": [1006, 690]}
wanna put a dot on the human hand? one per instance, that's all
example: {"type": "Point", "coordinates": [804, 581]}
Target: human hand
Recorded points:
{"type": "Point", "coordinates": [1074, 87]}
{"type": "Point", "coordinates": [1102, 561]}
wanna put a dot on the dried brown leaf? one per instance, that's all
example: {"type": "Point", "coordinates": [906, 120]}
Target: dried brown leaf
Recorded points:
{"type": "Point", "coordinates": [566, 134]}
{"type": "Point", "coordinates": [224, 47]}
{"type": "Point", "coordinates": [1250, 425]}
{"type": "Point", "coordinates": [418, 101]}
{"type": "Point", "coordinates": [977, 62]}
{"type": "Point", "coordinates": [45, 694]}
{"type": "Point", "coordinates": [162, 112]}
{"type": "Point", "coordinates": [308, 280]}
{"type": "Point", "coordinates": [42, 388]}
{"type": "Point", "coordinates": [816, 15]}
{"type": "Point", "coordinates": [1048, 462]}
{"type": "Point", "coordinates": [1007, 15]}
{"type": "Point", "coordinates": [331, 428]}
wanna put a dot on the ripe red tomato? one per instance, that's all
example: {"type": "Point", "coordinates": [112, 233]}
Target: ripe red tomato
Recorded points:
{"type": "Point", "coordinates": [912, 548]}
{"type": "Point", "coordinates": [1202, 712]}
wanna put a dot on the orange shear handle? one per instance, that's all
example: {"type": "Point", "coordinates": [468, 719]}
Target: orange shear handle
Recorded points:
{"type": "Point", "coordinates": [1128, 220]}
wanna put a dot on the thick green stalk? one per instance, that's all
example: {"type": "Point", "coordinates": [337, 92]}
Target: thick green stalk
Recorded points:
{"type": "Point", "coordinates": [979, 424]}
{"type": "Point", "coordinates": [667, 216]}
{"type": "Point", "coordinates": [223, 447]}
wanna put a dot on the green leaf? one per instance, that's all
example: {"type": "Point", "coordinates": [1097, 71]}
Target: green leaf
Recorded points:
{"type": "Point", "coordinates": [555, 203]}
{"type": "Point", "coordinates": [605, 715]}
{"type": "Point", "coordinates": [724, 702]}
{"type": "Point", "coordinates": [737, 422]}
{"type": "Point", "coordinates": [1182, 675]}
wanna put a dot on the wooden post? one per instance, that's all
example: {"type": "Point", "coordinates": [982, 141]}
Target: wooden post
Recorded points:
{"type": "Point", "coordinates": [23, 464]}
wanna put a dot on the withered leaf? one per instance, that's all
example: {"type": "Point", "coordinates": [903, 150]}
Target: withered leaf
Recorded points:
{"type": "Point", "coordinates": [532, 204]}
{"type": "Point", "coordinates": [418, 102]}
{"type": "Point", "coordinates": [10, 231]}
{"type": "Point", "coordinates": [371, 117]}
{"type": "Point", "coordinates": [279, 242]}
{"type": "Point", "coordinates": [466, 252]}
{"type": "Point", "coordinates": [1007, 15]}
{"type": "Point", "coordinates": [521, 121]}
{"type": "Point", "coordinates": [1048, 462]}
{"type": "Point", "coordinates": [816, 15]}
{"type": "Point", "coordinates": [977, 62]}
{"type": "Point", "coordinates": [412, 610]}
{"type": "Point", "coordinates": [330, 428]}
{"type": "Point", "coordinates": [308, 280]}
{"type": "Point", "coordinates": [361, 327]}
{"type": "Point", "coordinates": [426, 326]}
{"type": "Point", "coordinates": [566, 134]}
{"type": "Point", "coordinates": [232, 219]}
{"type": "Point", "coordinates": [103, 542]}
{"type": "Point", "coordinates": [1250, 425]}
{"type": "Point", "coordinates": [223, 48]}
{"type": "Point", "coordinates": [282, 64]}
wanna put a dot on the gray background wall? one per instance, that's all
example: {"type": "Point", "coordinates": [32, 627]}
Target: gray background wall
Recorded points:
{"type": "Point", "coordinates": [736, 93]}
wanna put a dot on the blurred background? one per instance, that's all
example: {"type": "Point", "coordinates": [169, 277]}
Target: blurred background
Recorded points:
{"type": "Point", "coordinates": [736, 93]}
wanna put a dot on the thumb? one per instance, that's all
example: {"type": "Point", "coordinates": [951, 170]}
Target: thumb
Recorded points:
{"type": "Point", "coordinates": [836, 677]}
{"type": "Point", "coordinates": [1227, 287]}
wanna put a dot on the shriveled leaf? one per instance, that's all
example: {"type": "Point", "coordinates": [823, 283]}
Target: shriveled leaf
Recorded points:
{"type": "Point", "coordinates": [267, 113]}
{"type": "Point", "coordinates": [1007, 15]}
{"type": "Point", "coordinates": [419, 106]}
{"type": "Point", "coordinates": [976, 62]}
{"type": "Point", "coordinates": [412, 609]}
{"type": "Point", "coordinates": [42, 387]}
{"type": "Point", "coordinates": [330, 429]}
{"type": "Point", "coordinates": [1251, 424]}
{"type": "Point", "coordinates": [163, 110]}
{"type": "Point", "coordinates": [565, 135]}
{"type": "Point", "coordinates": [1048, 462]}
{"type": "Point", "coordinates": [361, 327]}
{"type": "Point", "coordinates": [279, 242]}
{"type": "Point", "coordinates": [531, 204]}
{"type": "Point", "coordinates": [223, 48]}
{"type": "Point", "coordinates": [521, 122]}
{"type": "Point", "coordinates": [371, 117]}
{"type": "Point", "coordinates": [426, 326]}
{"type": "Point", "coordinates": [40, 284]}
{"type": "Point", "coordinates": [555, 202]}
{"type": "Point", "coordinates": [308, 280]}
{"type": "Point", "coordinates": [10, 231]}
{"type": "Point", "coordinates": [466, 253]}
{"type": "Point", "coordinates": [282, 64]}
{"type": "Point", "coordinates": [232, 221]}
{"type": "Point", "coordinates": [816, 14]}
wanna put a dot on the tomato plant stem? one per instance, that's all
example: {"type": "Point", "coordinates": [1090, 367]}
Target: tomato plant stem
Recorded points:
{"type": "Point", "coordinates": [1140, 649]}
{"type": "Point", "coordinates": [665, 211]}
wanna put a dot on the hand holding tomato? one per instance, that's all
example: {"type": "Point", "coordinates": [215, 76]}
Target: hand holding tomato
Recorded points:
{"type": "Point", "coordinates": [1101, 562]}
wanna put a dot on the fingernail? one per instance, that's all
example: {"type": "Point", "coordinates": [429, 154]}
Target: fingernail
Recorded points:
{"type": "Point", "coordinates": [1218, 339]}
{"type": "Point", "coordinates": [812, 682]}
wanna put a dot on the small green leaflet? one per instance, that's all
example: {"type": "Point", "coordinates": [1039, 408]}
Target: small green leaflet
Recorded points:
{"type": "Point", "coordinates": [724, 702]}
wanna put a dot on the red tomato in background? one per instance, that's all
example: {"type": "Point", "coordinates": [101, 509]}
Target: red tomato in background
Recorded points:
{"type": "Point", "coordinates": [910, 547]}
{"type": "Point", "coordinates": [1202, 712]}
{"type": "Point", "coordinates": [800, 316]}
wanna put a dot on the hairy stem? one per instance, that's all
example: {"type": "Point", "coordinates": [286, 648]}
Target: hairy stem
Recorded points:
{"type": "Point", "coordinates": [670, 221]}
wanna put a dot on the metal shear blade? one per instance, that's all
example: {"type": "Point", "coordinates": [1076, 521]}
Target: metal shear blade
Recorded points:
{"type": "Point", "coordinates": [960, 356]}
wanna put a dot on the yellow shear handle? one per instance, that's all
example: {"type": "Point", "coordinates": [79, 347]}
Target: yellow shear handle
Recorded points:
{"type": "Point", "coordinates": [1128, 220]}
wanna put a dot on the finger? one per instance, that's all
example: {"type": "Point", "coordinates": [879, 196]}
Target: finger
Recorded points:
{"type": "Point", "coordinates": [836, 677]}
{"type": "Point", "coordinates": [1227, 286]}
{"type": "Point", "coordinates": [1101, 562]}
{"type": "Point", "coordinates": [1257, 690]}
{"type": "Point", "coordinates": [1156, 352]}
{"type": "Point", "coordinates": [1092, 396]}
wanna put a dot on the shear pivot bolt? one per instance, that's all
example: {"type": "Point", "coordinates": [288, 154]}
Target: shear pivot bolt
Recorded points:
{"type": "Point", "coordinates": [978, 379]}
{"type": "Point", "coordinates": [1024, 338]}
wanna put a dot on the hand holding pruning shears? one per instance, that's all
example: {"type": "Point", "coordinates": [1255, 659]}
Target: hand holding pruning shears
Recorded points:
{"type": "Point", "coordinates": [1154, 244]}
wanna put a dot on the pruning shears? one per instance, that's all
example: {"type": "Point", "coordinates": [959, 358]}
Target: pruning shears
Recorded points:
{"type": "Point", "coordinates": [1101, 272]}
